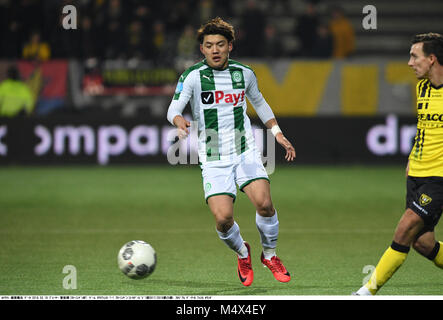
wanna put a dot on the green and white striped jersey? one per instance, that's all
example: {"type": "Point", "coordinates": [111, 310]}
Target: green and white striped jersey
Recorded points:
{"type": "Point", "coordinates": [218, 102]}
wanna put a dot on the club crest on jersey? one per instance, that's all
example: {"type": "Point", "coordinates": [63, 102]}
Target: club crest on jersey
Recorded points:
{"type": "Point", "coordinates": [237, 76]}
{"type": "Point", "coordinates": [424, 199]}
{"type": "Point", "coordinates": [209, 97]}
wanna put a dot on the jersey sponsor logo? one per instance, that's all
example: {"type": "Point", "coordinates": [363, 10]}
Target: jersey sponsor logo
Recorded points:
{"type": "Point", "coordinates": [209, 97]}
{"type": "Point", "coordinates": [420, 208]}
{"type": "Point", "coordinates": [424, 199]}
{"type": "Point", "coordinates": [430, 117]}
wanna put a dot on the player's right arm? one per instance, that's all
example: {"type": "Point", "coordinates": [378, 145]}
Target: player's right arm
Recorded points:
{"type": "Point", "coordinates": [182, 95]}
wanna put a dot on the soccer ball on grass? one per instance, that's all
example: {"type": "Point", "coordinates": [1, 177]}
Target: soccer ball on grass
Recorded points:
{"type": "Point", "coordinates": [137, 259]}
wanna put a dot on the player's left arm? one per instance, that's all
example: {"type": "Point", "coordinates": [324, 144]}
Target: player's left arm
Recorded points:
{"type": "Point", "coordinates": [281, 139]}
{"type": "Point", "coordinates": [266, 115]}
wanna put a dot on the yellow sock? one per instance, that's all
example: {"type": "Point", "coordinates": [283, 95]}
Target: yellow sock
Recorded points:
{"type": "Point", "coordinates": [438, 260]}
{"type": "Point", "coordinates": [391, 260]}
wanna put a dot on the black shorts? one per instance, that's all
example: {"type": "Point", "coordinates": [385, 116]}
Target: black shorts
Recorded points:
{"type": "Point", "coordinates": [425, 197]}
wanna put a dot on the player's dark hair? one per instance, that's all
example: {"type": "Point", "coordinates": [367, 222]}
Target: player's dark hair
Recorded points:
{"type": "Point", "coordinates": [432, 44]}
{"type": "Point", "coordinates": [216, 26]}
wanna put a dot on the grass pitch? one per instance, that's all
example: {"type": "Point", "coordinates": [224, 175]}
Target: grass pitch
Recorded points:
{"type": "Point", "coordinates": [334, 221]}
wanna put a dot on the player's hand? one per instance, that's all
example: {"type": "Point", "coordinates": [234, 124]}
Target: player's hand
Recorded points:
{"type": "Point", "coordinates": [182, 126]}
{"type": "Point", "coordinates": [290, 151]}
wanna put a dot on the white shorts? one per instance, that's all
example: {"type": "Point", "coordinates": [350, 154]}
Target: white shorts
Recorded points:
{"type": "Point", "coordinates": [223, 177]}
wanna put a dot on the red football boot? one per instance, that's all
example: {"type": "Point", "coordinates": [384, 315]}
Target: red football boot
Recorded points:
{"type": "Point", "coordinates": [277, 268]}
{"type": "Point", "coordinates": [244, 268]}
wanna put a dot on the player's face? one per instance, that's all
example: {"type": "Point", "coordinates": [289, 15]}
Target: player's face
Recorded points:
{"type": "Point", "coordinates": [216, 49]}
{"type": "Point", "coordinates": [419, 61]}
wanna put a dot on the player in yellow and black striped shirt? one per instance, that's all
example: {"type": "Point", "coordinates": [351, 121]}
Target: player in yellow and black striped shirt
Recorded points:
{"type": "Point", "coordinates": [424, 198]}
{"type": "Point", "coordinates": [426, 158]}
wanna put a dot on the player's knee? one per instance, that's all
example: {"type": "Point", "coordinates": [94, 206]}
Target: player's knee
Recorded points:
{"type": "Point", "coordinates": [224, 222]}
{"type": "Point", "coordinates": [265, 208]}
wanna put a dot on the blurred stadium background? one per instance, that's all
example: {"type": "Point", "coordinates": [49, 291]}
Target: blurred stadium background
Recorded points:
{"type": "Point", "coordinates": [317, 66]}
{"type": "Point", "coordinates": [97, 96]}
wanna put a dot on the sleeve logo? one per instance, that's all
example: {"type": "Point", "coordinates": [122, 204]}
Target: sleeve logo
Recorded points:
{"type": "Point", "coordinates": [179, 87]}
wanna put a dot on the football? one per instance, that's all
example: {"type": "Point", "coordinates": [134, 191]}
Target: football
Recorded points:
{"type": "Point", "coordinates": [137, 259]}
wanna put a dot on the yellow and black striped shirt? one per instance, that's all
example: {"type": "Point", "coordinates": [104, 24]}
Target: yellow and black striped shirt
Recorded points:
{"type": "Point", "coordinates": [426, 157]}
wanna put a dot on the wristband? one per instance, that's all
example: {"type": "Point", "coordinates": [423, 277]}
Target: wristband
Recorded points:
{"type": "Point", "coordinates": [275, 129]}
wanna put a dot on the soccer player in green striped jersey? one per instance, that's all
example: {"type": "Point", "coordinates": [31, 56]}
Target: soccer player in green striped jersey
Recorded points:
{"type": "Point", "coordinates": [217, 88]}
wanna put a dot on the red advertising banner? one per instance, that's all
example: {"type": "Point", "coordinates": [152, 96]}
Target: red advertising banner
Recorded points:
{"type": "Point", "coordinates": [51, 76]}
{"type": "Point", "coordinates": [48, 82]}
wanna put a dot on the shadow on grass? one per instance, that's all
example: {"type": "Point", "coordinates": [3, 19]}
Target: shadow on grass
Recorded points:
{"type": "Point", "coordinates": [204, 288]}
